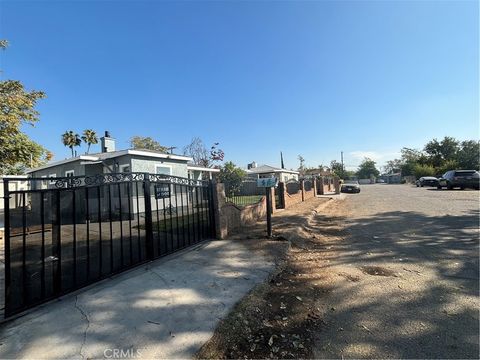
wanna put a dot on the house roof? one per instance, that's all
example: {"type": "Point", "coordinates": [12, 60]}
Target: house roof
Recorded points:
{"type": "Point", "coordinates": [201, 168]}
{"type": "Point", "coordinates": [113, 154]}
{"type": "Point", "coordinates": [269, 169]}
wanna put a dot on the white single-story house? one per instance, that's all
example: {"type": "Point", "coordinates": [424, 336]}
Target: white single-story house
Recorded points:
{"type": "Point", "coordinates": [196, 172]}
{"type": "Point", "coordinates": [266, 171]}
{"type": "Point", "coordinates": [121, 161]}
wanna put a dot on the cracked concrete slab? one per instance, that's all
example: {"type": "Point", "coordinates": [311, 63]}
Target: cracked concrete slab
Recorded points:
{"type": "Point", "coordinates": [166, 309]}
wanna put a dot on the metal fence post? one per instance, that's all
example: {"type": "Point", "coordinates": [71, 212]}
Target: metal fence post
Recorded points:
{"type": "Point", "coordinates": [57, 245]}
{"type": "Point", "coordinates": [6, 236]}
{"type": "Point", "coordinates": [211, 210]}
{"type": "Point", "coordinates": [148, 216]}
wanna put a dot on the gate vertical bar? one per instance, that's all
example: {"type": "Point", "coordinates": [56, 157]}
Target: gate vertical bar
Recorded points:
{"type": "Point", "coordinates": [111, 225]}
{"type": "Point", "coordinates": [148, 217]}
{"type": "Point", "coordinates": [130, 200]}
{"type": "Point", "coordinates": [6, 203]}
{"type": "Point", "coordinates": [188, 188]}
{"type": "Point", "coordinates": [121, 223]}
{"type": "Point", "coordinates": [42, 218]}
{"type": "Point", "coordinates": [74, 210]}
{"type": "Point", "coordinates": [183, 216]}
{"type": "Point", "coordinates": [88, 232]}
{"type": "Point", "coordinates": [100, 250]}
{"type": "Point", "coordinates": [211, 188]}
{"type": "Point", "coordinates": [177, 246]}
{"type": "Point", "coordinates": [199, 234]}
{"type": "Point", "coordinates": [24, 248]}
{"type": "Point", "coordinates": [57, 246]}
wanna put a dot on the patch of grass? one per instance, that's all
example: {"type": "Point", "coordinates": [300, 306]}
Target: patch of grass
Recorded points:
{"type": "Point", "coordinates": [244, 200]}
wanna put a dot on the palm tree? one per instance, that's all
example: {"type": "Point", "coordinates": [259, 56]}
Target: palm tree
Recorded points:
{"type": "Point", "coordinates": [70, 139]}
{"type": "Point", "coordinates": [89, 137]}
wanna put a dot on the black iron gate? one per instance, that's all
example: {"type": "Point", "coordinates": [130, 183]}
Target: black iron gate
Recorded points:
{"type": "Point", "coordinates": [65, 233]}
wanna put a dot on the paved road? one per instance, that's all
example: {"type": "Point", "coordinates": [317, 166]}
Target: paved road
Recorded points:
{"type": "Point", "coordinates": [402, 274]}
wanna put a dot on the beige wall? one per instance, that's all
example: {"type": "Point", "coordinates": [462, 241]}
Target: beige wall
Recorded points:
{"type": "Point", "coordinates": [230, 218]}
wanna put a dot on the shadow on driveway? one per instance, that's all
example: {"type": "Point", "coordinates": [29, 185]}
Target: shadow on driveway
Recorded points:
{"type": "Point", "coordinates": [167, 309]}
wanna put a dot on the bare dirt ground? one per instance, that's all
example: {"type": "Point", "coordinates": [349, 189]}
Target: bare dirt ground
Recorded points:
{"type": "Point", "coordinates": [389, 273]}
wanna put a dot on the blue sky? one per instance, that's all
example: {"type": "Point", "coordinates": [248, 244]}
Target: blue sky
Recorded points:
{"type": "Point", "coordinates": [309, 78]}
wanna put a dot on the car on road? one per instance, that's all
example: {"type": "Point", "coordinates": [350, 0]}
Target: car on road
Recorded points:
{"type": "Point", "coordinates": [459, 179]}
{"type": "Point", "coordinates": [350, 186]}
{"type": "Point", "coordinates": [427, 181]}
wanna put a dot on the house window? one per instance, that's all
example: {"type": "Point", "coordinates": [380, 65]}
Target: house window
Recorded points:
{"type": "Point", "coordinates": [163, 169]}
{"type": "Point", "coordinates": [69, 173]}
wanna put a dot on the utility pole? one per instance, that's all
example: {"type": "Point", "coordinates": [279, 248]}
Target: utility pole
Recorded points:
{"type": "Point", "coordinates": [343, 168]}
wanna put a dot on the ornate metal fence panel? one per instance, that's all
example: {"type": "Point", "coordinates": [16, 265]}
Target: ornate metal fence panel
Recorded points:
{"type": "Point", "coordinates": [62, 234]}
{"type": "Point", "coordinates": [292, 186]}
{"type": "Point", "coordinates": [279, 198]}
{"type": "Point", "coordinates": [307, 185]}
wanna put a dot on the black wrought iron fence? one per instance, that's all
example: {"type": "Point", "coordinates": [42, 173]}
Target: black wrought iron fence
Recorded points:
{"type": "Point", "coordinates": [244, 193]}
{"type": "Point", "coordinates": [307, 185]}
{"type": "Point", "coordinates": [292, 186]}
{"type": "Point", "coordinates": [65, 233]}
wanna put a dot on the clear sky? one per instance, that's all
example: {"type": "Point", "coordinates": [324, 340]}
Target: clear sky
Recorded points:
{"type": "Point", "coordinates": [311, 78]}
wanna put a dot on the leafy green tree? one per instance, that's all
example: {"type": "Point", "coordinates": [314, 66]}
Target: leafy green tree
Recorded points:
{"type": "Point", "coordinates": [393, 166]}
{"type": "Point", "coordinates": [89, 137]}
{"type": "Point", "coordinates": [420, 170]}
{"type": "Point", "coordinates": [367, 169]}
{"type": "Point", "coordinates": [147, 143]}
{"type": "Point", "coordinates": [17, 108]}
{"type": "Point", "coordinates": [409, 158]}
{"type": "Point", "coordinates": [446, 166]}
{"type": "Point", "coordinates": [338, 169]}
{"type": "Point", "coordinates": [468, 156]}
{"type": "Point", "coordinates": [438, 152]}
{"type": "Point", "coordinates": [232, 177]}
{"type": "Point", "coordinates": [71, 140]}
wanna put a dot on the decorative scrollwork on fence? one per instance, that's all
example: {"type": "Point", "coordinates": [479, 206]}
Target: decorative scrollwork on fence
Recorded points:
{"type": "Point", "coordinates": [100, 179]}
{"type": "Point", "coordinates": [175, 180]}
{"type": "Point", "coordinates": [67, 182]}
{"type": "Point", "coordinates": [97, 179]}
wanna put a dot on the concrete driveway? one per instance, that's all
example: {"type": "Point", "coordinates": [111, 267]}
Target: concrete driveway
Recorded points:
{"type": "Point", "coordinates": [167, 309]}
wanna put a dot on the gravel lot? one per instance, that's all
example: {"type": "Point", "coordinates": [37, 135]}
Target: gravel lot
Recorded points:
{"type": "Point", "coordinates": [402, 269]}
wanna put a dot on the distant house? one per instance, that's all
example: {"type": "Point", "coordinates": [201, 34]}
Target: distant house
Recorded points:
{"type": "Point", "coordinates": [265, 171]}
{"type": "Point", "coordinates": [121, 161]}
{"type": "Point", "coordinates": [395, 178]}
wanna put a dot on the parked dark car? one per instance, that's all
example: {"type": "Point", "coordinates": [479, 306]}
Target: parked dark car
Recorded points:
{"type": "Point", "coordinates": [350, 186]}
{"type": "Point", "coordinates": [459, 178]}
{"type": "Point", "coordinates": [427, 181]}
